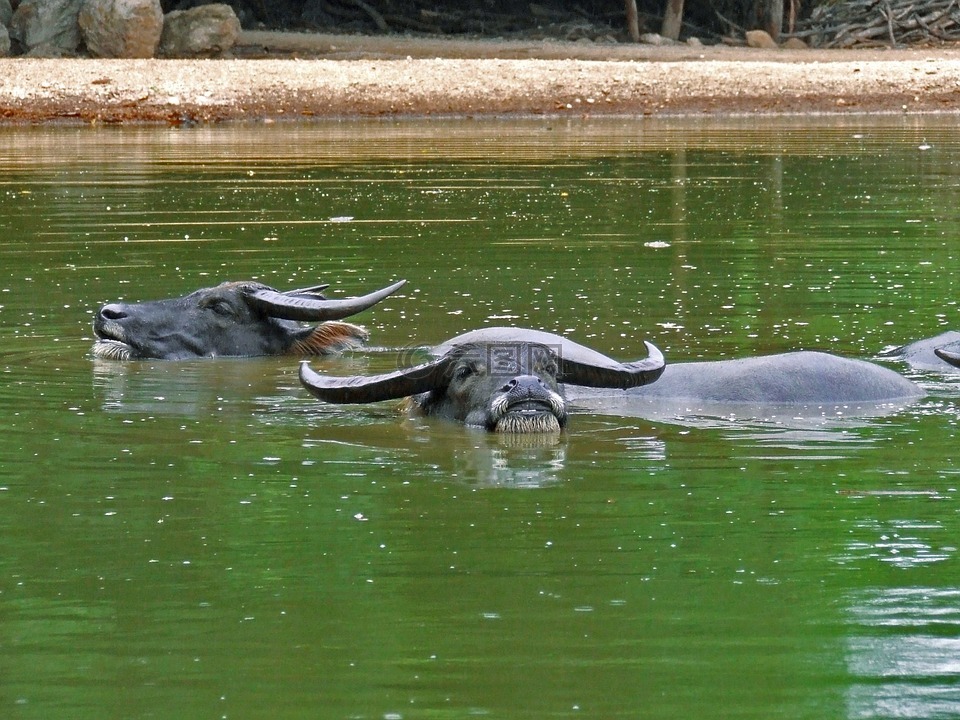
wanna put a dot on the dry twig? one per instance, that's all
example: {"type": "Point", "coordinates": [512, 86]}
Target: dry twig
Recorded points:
{"type": "Point", "coordinates": [878, 22]}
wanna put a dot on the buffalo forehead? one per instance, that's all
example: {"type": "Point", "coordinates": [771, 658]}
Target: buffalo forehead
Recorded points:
{"type": "Point", "coordinates": [505, 337]}
{"type": "Point", "coordinates": [504, 358]}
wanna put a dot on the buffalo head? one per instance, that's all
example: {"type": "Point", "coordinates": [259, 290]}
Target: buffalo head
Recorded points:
{"type": "Point", "coordinates": [507, 380]}
{"type": "Point", "coordinates": [231, 319]}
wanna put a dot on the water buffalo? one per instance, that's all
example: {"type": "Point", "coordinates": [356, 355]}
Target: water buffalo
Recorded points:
{"type": "Point", "coordinates": [232, 319]}
{"type": "Point", "coordinates": [792, 380]}
{"type": "Point", "coordinates": [506, 380]}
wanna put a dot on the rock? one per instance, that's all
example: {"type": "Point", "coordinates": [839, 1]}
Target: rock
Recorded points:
{"type": "Point", "coordinates": [760, 39]}
{"type": "Point", "coordinates": [795, 44]}
{"type": "Point", "coordinates": [47, 26]}
{"type": "Point", "coordinates": [121, 28]}
{"type": "Point", "coordinates": [204, 31]}
{"type": "Point", "coordinates": [656, 39]}
{"type": "Point", "coordinates": [6, 12]}
{"type": "Point", "coordinates": [48, 51]}
{"type": "Point", "coordinates": [4, 42]}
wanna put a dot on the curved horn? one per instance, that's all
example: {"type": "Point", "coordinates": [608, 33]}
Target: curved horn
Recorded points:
{"type": "Point", "coordinates": [312, 290]}
{"type": "Point", "coordinates": [373, 388]}
{"type": "Point", "coordinates": [305, 305]}
{"type": "Point", "coordinates": [574, 371]}
{"type": "Point", "coordinates": [948, 356]}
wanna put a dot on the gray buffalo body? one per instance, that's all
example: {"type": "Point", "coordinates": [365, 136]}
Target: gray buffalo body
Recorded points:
{"type": "Point", "coordinates": [229, 320]}
{"type": "Point", "coordinates": [506, 380]}
{"type": "Point", "coordinates": [793, 378]}
{"type": "Point", "coordinates": [797, 389]}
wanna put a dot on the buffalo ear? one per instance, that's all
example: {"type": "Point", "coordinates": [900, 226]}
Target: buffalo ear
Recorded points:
{"type": "Point", "coordinates": [329, 338]}
{"type": "Point", "coordinates": [374, 388]}
{"type": "Point", "coordinates": [310, 305]}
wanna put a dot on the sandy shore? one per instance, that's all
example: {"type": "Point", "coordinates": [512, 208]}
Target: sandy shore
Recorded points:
{"type": "Point", "coordinates": [289, 77]}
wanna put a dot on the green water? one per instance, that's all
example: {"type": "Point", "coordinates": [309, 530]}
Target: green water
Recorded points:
{"type": "Point", "coordinates": [203, 540]}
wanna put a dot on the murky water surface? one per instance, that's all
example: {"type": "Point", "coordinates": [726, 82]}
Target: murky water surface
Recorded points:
{"type": "Point", "coordinates": [202, 539]}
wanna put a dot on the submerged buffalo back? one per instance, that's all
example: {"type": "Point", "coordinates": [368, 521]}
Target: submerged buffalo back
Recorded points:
{"type": "Point", "coordinates": [803, 377]}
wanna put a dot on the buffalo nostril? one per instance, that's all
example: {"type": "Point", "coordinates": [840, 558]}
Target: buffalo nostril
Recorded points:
{"type": "Point", "coordinates": [531, 384]}
{"type": "Point", "coordinates": [509, 385]}
{"type": "Point", "coordinates": [113, 312]}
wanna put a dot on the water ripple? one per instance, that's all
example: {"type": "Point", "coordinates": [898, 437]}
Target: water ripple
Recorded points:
{"type": "Point", "coordinates": [906, 662]}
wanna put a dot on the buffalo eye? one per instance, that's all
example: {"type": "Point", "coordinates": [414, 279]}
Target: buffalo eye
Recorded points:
{"type": "Point", "coordinates": [464, 370]}
{"type": "Point", "coordinates": [221, 307]}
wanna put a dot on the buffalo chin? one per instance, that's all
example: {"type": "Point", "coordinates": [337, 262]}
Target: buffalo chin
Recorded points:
{"type": "Point", "coordinates": [527, 422]}
{"type": "Point", "coordinates": [112, 350]}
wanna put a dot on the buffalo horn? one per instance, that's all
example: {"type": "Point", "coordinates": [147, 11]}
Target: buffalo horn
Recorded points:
{"type": "Point", "coordinates": [305, 305]}
{"type": "Point", "coordinates": [316, 290]}
{"type": "Point", "coordinates": [388, 386]}
{"type": "Point", "coordinates": [948, 356]}
{"type": "Point", "coordinates": [614, 375]}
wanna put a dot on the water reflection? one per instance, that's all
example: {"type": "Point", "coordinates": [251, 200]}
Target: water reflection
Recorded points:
{"type": "Point", "coordinates": [903, 654]}
{"type": "Point", "coordinates": [461, 456]}
{"type": "Point", "coordinates": [186, 388]}
{"type": "Point", "coordinates": [816, 419]}
{"type": "Point", "coordinates": [903, 544]}
{"type": "Point", "coordinates": [533, 461]}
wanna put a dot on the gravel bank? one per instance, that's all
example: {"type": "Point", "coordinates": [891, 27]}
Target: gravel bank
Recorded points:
{"type": "Point", "coordinates": [277, 77]}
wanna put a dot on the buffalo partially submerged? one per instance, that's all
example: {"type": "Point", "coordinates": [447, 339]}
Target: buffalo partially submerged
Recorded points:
{"type": "Point", "coordinates": [466, 382]}
{"type": "Point", "coordinates": [507, 380]}
{"type": "Point", "coordinates": [232, 319]}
